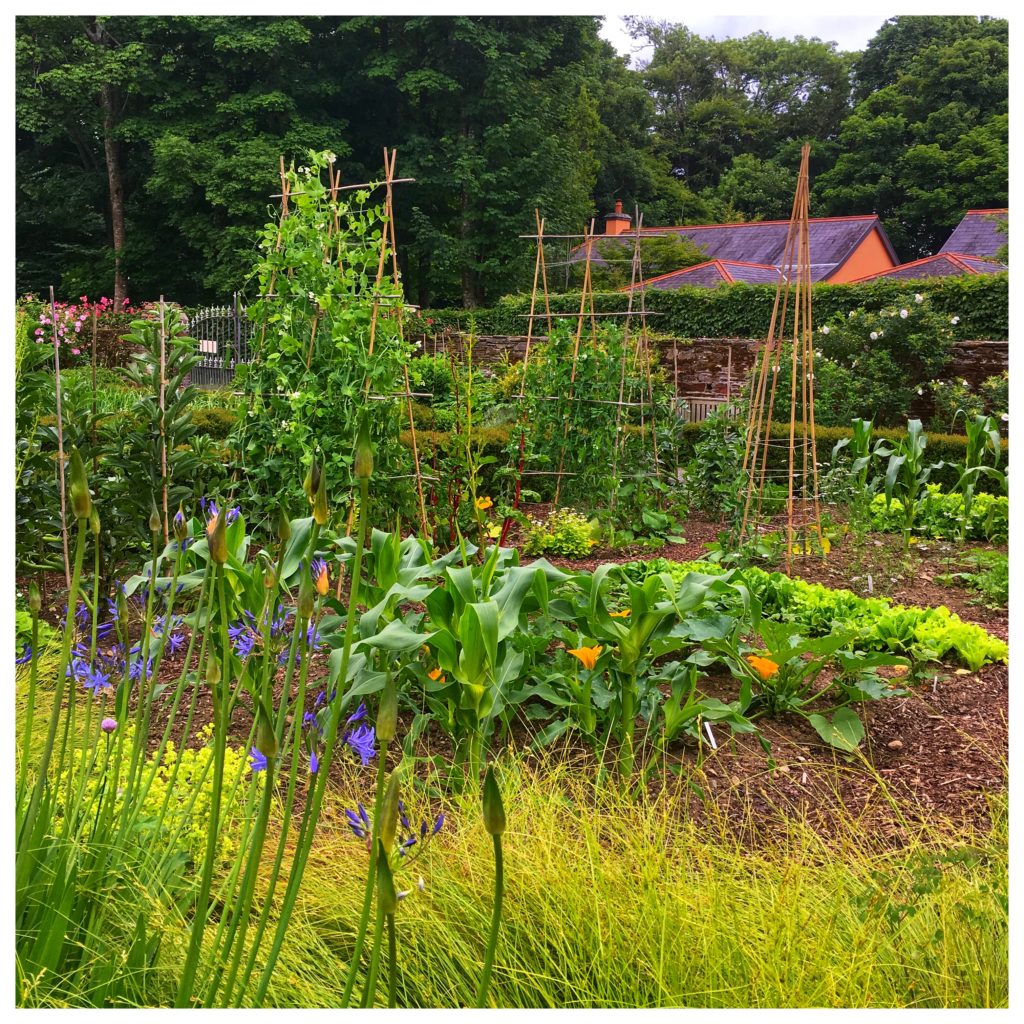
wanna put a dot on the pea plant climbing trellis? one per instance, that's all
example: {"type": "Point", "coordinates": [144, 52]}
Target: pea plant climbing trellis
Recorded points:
{"type": "Point", "coordinates": [790, 319]}
{"type": "Point", "coordinates": [329, 341]}
{"type": "Point", "coordinates": [588, 399]}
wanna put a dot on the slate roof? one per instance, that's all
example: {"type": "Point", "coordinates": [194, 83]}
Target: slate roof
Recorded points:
{"type": "Point", "coordinates": [943, 264]}
{"type": "Point", "coordinates": [832, 241]}
{"type": "Point", "coordinates": [977, 234]}
{"type": "Point", "coordinates": [713, 273]}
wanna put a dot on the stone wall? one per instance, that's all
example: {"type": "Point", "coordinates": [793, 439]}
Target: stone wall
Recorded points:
{"type": "Point", "coordinates": [721, 366]}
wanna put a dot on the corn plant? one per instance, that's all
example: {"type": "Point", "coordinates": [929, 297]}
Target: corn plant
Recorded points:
{"type": "Point", "coordinates": [906, 475]}
{"type": "Point", "coordinates": [982, 440]}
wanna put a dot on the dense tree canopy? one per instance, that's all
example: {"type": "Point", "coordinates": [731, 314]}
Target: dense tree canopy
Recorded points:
{"type": "Point", "coordinates": [148, 147]}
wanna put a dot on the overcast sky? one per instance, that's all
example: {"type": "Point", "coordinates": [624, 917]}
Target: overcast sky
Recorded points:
{"type": "Point", "coordinates": [851, 33]}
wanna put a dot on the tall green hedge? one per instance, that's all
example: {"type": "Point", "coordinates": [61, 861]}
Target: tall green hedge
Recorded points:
{"type": "Point", "coordinates": [743, 311]}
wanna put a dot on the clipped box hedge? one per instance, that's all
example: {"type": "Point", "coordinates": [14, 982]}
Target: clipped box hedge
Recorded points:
{"type": "Point", "coordinates": [744, 311]}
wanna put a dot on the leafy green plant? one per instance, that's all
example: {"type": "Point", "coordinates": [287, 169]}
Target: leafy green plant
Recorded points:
{"type": "Point", "coordinates": [562, 532]}
{"type": "Point", "coordinates": [906, 475]}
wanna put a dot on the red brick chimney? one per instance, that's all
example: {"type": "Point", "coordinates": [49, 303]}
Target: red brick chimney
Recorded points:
{"type": "Point", "coordinates": [617, 223]}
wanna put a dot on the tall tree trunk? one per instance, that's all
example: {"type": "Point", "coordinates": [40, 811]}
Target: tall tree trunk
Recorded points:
{"type": "Point", "coordinates": [116, 186]}
{"type": "Point", "coordinates": [469, 291]}
{"type": "Point", "coordinates": [98, 35]}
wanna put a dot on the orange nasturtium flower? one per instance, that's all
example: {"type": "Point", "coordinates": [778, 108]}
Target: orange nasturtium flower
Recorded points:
{"type": "Point", "coordinates": [436, 676]}
{"type": "Point", "coordinates": [620, 615]}
{"type": "Point", "coordinates": [483, 504]}
{"type": "Point", "coordinates": [764, 667]}
{"type": "Point", "coordinates": [587, 655]}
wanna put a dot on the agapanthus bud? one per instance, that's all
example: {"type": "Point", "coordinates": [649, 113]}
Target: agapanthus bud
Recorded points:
{"type": "Point", "coordinates": [217, 536]}
{"type": "Point", "coordinates": [180, 526]}
{"type": "Point", "coordinates": [494, 809]}
{"type": "Point", "coordinates": [270, 578]}
{"type": "Point", "coordinates": [266, 740]}
{"type": "Point", "coordinates": [284, 526]}
{"type": "Point", "coordinates": [364, 452]}
{"type": "Point", "coordinates": [213, 672]}
{"type": "Point", "coordinates": [108, 725]}
{"type": "Point", "coordinates": [320, 502]}
{"type": "Point", "coordinates": [385, 881]}
{"type": "Point", "coordinates": [305, 602]}
{"type": "Point", "coordinates": [312, 482]}
{"type": "Point", "coordinates": [155, 522]}
{"type": "Point", "coordinates": [35, 601]}
{"type": "Point", "coordinates": [389, 812]}
{"type": "Point", "coordinates": [387, 712]}
{"type": "Point", "coordinates": [81, 499]}
{"type": "Point", "coordinates": [321, 578]}
{"type": "Point", "coordinates": [94, 522]}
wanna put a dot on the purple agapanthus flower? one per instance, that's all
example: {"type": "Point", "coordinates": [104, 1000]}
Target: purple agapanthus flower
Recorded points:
{"type": "Point", "coordinates": [175, 642]}
{"type": "Point", "coordinates": [257, 760]}
{"type": "Point", "coordinates": [25, 657]}
{"type": "Point", "coordinates": [314, 762]}
{"type": "Point", "coordinates": [362, 740]}
{"type": "Point", "coordinates": [243, 639]}
{"type": "Point", "coordinates": [210, 510]}
{"type": "Point", "coordinates": [96, 679]}
{"type": "Point", "coordinates": [358, 715]}
{"type": "Point", "coordinates": [358, 825]}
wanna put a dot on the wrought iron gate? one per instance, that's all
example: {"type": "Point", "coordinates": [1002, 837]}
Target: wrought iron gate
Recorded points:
{"type": "Point", "coordinates": [223, 334]}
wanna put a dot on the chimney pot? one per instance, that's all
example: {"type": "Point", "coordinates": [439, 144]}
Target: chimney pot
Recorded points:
{"type": "Point", "coordinates": [618, 206]}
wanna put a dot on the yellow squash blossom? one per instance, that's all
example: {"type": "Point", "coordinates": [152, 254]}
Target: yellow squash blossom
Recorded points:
{"type": "Point", "coordinates": [764, 667]}
{"type": "Point", "coordinates": [587, 655]}
{"type": "Point", "coordinates": [483, 504]}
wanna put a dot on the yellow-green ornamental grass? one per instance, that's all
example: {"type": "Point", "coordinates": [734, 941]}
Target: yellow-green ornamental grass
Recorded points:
{"type": "Point", "coordinates": [611, 903]}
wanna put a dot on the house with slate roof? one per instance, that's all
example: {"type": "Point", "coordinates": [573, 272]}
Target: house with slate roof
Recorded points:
{"type": "Point", "coordinates": [942, 264]}
{"type": "Point", "coordinates": [978, 234]}
{"type": "Point", "coordinates": [842, 249]}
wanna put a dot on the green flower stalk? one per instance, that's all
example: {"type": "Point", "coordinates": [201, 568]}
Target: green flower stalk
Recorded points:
{"type": "Point", "coordinates": [34, 607]}
{"type": "Point", "coordinates": [386, 726]}
{"type": "Point", "coordinates": [494, 822]}
{"type": "Point", "coordinates": [315, 802]}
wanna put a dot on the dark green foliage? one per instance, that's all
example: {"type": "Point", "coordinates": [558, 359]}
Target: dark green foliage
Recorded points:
{"type": "Point", "coordinates": [929, 138]}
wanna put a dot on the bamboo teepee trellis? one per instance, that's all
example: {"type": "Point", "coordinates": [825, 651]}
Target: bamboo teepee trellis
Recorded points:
{"type": "Point", "coordinates": [586, 317]}
{"type": "Point", "coordinates": [791, 319]}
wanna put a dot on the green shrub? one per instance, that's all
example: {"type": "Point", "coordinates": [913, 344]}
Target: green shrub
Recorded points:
{"type": "Point", "coordinates": [564, 532]}
{"type": "Point", "coordinates": [213, 421]}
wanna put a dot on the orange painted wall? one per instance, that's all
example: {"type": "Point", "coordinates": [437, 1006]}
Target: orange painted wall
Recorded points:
{"type": "Point", "coordinates": [870, 257]}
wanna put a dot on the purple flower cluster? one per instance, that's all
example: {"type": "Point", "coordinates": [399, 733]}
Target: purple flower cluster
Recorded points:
{"type": "Point", "coordinates": [408, 836]}
{"type": "Point", "coordinates": [111, 661]}
{"type": "Point", "coordinates": [210, 510]}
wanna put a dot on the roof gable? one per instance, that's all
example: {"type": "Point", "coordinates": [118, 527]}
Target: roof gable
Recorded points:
{"type": "Point", "coordinates": [942, 264]}
{"type": "Point", "coordinates": [978, 233]}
